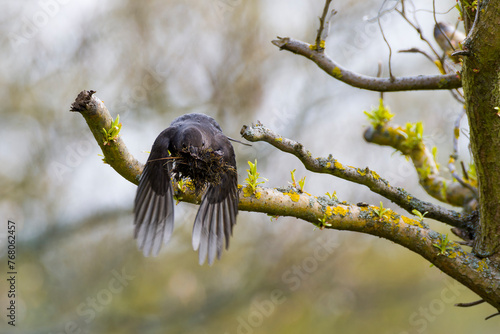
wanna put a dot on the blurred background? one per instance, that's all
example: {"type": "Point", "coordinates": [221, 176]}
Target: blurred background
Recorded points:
{"type": "Point", "coordinates": [79, 270]}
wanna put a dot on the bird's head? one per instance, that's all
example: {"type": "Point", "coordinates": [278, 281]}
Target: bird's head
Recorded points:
{"type": "Point", "coordinates": [190, 139]}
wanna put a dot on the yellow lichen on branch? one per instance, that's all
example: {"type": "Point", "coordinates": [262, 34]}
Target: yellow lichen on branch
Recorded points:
{"type": "Point", "coordinates": [409, 141]}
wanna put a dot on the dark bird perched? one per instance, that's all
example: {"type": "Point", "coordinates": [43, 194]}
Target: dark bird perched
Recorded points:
{"type": "Point", "coordinates": [448, 38]}
{"type": "Point", "coordinates": [193, 147]}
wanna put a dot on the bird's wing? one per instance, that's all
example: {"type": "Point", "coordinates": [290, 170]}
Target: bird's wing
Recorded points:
{"type": "Point", "coordinates": [154, 201]}
{"type": "Point", "coordinates": [216, 218]}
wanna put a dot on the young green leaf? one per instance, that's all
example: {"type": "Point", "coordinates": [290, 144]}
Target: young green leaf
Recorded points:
{"type": "Point", "coordinates": [379, 116]}
{"type": "Point", "coordinates": [253, 178]}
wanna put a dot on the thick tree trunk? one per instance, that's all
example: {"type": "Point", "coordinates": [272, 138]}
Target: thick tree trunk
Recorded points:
{"type": "Point", "coordinates": [481, 83]}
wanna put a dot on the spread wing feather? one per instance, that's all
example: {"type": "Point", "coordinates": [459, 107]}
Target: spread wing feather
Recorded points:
{"type": "Point", "coordinates": [154, 207]}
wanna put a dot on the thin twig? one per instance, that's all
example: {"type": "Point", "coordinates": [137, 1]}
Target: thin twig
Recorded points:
{"type": "Point", "coordinates": [382, 12]}
{"type": "Point", "coordinates": [388, 45]}
{"type": "Point", "coordinates": [444, 64]}
{"type": "Point", "coordinates": [165, 158]}
{"type": "Point", "coordinates": [379, 73]}
{"type": "Point", "coordinates": [319, 46]}
{"type": "Point", "coordinates": [430, 11]}
{"type": "Point", "coordinates": [464, 171]}
{"type": "Point", "coordinates": [477, 302]}
{"type": "Point", "coordinates": [457, 95]}
{"type": "Point", "coordinates": [379, 69]}
{"type": "Point", "coordinates": [417, 28]}
{"type": "Point", "coordinates": [453, 172]}
{"type": "Point", "coordinates": [473, 27]}
{"type": "Point", "coordinates": [491, 316]}
{"type": "Point", "coordinates": [415, 50]}
{"type": "Point", "coordinates": [456, 133]}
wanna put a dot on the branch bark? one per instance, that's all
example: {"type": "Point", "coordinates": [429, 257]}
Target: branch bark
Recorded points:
{"type": "Point", "coordinates": [420, 82]}
{"type": "Point", "coordinates": [362, 176]}
{"type": "Point", "coordinates": [480, 275]}
{"type": "Point", "coordinates": [445, 190]}
{"type": "Point", "coordinates": [115, 152]}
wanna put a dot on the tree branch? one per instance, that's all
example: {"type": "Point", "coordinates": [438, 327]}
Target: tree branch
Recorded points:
{"type": "Point", "coordinates": [323, 30]}
{"type": "Point", "coordinates": [115, 152]}
{"type": "Point", "coordinates": [430, 178]}
{"type": "Point", "coordinates": [362, 176]}
{"type": "Point", "coordinates": [477, 274]}
{"type": "Point", "coordinates": [421, 82]}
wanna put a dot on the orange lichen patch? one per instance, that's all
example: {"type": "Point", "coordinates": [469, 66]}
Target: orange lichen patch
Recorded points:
{"type": "Point", "coordinates": [337, 73]}
{"type": "Point", "coordinates": [248, 192]}
{"type": "Point", "coordinates": [361, 172]}
{"type": "Point", "coordinates": [279, 140]}
{"type": "Point", "coordinates": [293, 196]}
{"type": "Point", "coordinates": [338, 165]}
{"type": "Point", "coordinates": [337, 210]}
{"type": "Point", "coordinates": [364, 208]}
{"type": "Point", "coordinates": [375, 175]}
{"type": "Point", "coordinates": [393, 216]}
{"type": "Point", "coordinates": [410, 221]}
{"type": "Point", "coordinates": [455, 252]}
{"type": "Point", "coordinates": [407, 220]}
{"type": "Point", "coordinates": [482, 265]}
{"type": "Point", "coordinates": [328, 165]}
{"type": "Point", "coordinates": [328, 211]}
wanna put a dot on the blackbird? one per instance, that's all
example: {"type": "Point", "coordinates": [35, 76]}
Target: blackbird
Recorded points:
{"type": "Point", "coordinates": [448, 38]}
{"type": "Point", "coordinates": [193, 147]}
